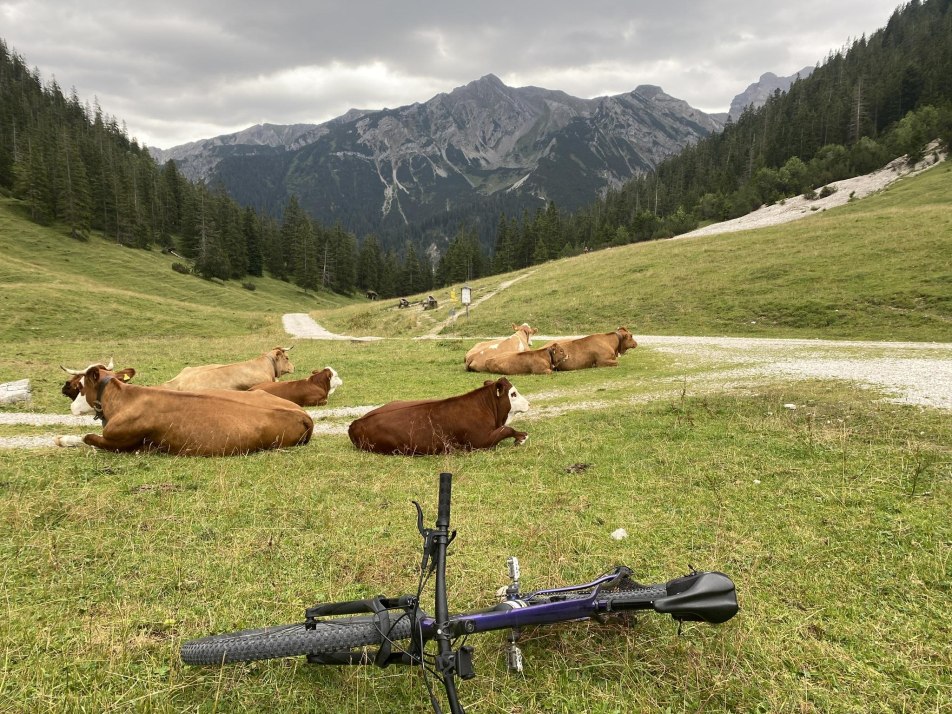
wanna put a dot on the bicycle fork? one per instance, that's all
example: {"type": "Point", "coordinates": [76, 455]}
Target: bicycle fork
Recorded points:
{"type": "Point", "coordinates": [514, 660]}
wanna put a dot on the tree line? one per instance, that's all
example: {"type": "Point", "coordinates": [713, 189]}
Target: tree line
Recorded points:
{"type": "Point", "coordinates": [879, 98]}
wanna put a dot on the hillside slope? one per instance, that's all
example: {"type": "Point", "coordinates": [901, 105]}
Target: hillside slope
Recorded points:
{"type": "Point", "coordinates": [879, 268]}
{"type": "Point", "coordinates": [51, 284]}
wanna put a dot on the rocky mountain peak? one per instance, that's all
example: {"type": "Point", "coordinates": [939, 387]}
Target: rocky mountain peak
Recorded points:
{"type": "Point", "coordinates": [760, 91]}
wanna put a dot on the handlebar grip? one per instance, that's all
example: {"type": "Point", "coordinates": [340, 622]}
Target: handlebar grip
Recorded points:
{"type": "Point", "coordinates": [443, 509]}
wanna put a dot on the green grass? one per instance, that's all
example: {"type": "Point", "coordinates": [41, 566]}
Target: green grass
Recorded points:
{"type": "Point", "coordinates": [832, 518]}
{"type": "Point", "coordinates": [840, 553]}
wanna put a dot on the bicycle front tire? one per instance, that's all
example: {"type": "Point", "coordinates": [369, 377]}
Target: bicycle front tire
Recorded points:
{"type": "Point", "coordinates": [330, 636]}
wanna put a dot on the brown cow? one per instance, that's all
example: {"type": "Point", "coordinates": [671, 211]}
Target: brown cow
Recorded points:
{"type": "Point", "coordinates": [600, 350]}
{"type": "Point", "coordinates": [475, 420]}
{"type": "Point", "coordinates": [540, 361]}
{"type": "Point", "coordinates": [519, 341]}
{"type": "Point", "coordinates": [310, 392]}
{"type": "Point", "coordinates": [212, 423]}
{"type": "Point", "coordinates": [268, 367]}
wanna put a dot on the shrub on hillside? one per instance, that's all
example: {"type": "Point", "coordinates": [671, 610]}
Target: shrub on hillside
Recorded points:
{"type": "Point", "coordinates": [180, 268]}
{"type": "Point", "coordinates": [249, 286]}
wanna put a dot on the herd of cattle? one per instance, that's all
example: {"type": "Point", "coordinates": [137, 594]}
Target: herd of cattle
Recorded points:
{"type": "Point", "coordinates": [239, 408]}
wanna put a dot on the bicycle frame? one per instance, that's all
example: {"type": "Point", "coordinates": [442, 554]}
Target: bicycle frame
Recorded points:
{"type": "Point", "coordinates": [698, 596]}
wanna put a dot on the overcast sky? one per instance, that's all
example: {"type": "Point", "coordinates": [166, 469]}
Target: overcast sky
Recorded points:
{"type": "Point", "coordinates": [180, 70]}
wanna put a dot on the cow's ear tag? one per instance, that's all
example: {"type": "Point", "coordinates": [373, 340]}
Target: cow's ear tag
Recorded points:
{"type": "Point", "coordinates": [125, 378]}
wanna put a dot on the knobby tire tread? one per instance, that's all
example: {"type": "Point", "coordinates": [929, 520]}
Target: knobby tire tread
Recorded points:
{"type": "Point", "coordinates": [339, 635]}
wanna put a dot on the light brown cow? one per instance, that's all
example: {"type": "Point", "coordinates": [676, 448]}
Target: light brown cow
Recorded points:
{"type": "Point", "coordinates": [519, 341]}
{"type": "Point", "coordinates": [269, 367]}
{"type": "Point", "coordinates": [210, 423]}
{"type": "Point", "coordinates": [540, 361]}
{"type": "Point", "coordinates": [476, 420]}
{"type": "Point", "coordinates": [600, 350]}
{"type": "Point", "coordinates": [310, 392]}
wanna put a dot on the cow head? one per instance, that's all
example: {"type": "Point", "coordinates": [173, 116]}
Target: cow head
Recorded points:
{"type": "Point", "coordinates": [557, 355]}
{"type": "Point", "coordinates": [625, 340]}
{"type": "Point", "coordinates": [526, 330]}
{"type": "Point", "coordinates": [329, 376]}
{"type": "Point", "coordinates": [282, 363]}
{"type": "Point", "coordinates": [87, 400]}
{"type": "Point", "coordinates": [336, 381]}
{"type": "Point", "coordinates": [508, 399]}
{"type": "Point", "coordinates": [74, 385]}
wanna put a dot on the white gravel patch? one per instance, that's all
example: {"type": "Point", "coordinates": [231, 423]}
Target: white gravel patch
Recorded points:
{"type": "Point", "coordinates": [798, 207]}
{"type": "Point", "coordinates": [927, 382]}
{"type": "Point", "coordinates": [302, 326]}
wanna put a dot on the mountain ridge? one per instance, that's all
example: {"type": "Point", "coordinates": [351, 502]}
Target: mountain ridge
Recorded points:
{"type": "Point", "coordinates": [387, 169]}
{"type": "Point", "coordinates": [378, 170]}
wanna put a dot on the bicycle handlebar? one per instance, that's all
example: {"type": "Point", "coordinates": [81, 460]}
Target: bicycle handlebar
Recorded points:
{"type": "Point", "coordinates": [443, 509]}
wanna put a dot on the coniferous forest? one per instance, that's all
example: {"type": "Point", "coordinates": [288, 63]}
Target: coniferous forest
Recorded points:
{"type": "Point", "coordinates": [875, 99]}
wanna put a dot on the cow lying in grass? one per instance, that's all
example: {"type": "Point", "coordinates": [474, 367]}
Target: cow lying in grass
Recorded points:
{"type": "Point", "coordinates": [475, 420]}
{"type": "Point", "coordinates": [210, 423]}
{"type": "Point", "coordinates": [268, 367]}
{"type": "Point", "coordinates": [519, 341]}
{"type": "Point", "coordinates": [600, 350]}
{"type": "Point", "coordinates": [310, 392]}
{"type": "Point", "coordinates": [540, 361]}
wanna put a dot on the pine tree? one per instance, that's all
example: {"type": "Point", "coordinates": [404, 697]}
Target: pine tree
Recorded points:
{"type": "Point", "coordinates": [369, 264]}
{"type": "Point", "coordinates": [31, 183]}
{"type": "Point", "coordinates": [74, 204]}
{"type": "Point", "coordinates": [343, 257]}
{"type": "Point", "coordinates": [251, 231]}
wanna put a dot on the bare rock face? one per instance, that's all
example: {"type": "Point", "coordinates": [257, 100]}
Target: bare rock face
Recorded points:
{"type": "Point", "coordinates": [757, 94]}
{"type": "Point", "coordinates": [484, 139]}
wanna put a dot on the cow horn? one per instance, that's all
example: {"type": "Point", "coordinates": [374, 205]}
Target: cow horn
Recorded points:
{"type": "Point", "coordinates": [111, 365]}
{"type": "Point", "coordinates": [287, 349]}
{"type": "Point", "coordinates": [73, 372]}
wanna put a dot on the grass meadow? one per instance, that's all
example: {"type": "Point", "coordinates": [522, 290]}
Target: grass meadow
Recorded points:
{"type": "Point", "coordinates": [833, 519]}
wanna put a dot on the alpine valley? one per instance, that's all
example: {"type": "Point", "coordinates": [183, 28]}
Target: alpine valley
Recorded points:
{"type": "Point", "coordinates": [483, 149]}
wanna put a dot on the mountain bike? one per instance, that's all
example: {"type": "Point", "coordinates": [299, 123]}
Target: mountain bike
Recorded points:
{"type": "Point", "coordinates": [364, 632]}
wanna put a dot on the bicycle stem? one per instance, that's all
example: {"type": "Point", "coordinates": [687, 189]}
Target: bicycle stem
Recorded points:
{"type": "Point", "coordinates": [446, 660]}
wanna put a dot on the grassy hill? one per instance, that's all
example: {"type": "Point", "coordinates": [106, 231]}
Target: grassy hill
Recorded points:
{"type": "Point", "coordinates": [54, 286]}
{"type": "Point", "coordinates": [879, 268]}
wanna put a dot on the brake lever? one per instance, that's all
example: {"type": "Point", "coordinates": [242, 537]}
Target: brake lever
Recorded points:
{"type": "Point", "coordinates": [427, 535]}
{"type": "Point", "coordinates": [419, 519]}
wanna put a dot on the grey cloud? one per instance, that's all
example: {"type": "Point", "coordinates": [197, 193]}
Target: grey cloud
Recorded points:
{"type": "Point", "coordinates": [176, 67]}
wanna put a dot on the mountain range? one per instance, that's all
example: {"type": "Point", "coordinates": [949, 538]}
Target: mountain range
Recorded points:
{"type": "Point", "coordinates": [380, 170]}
